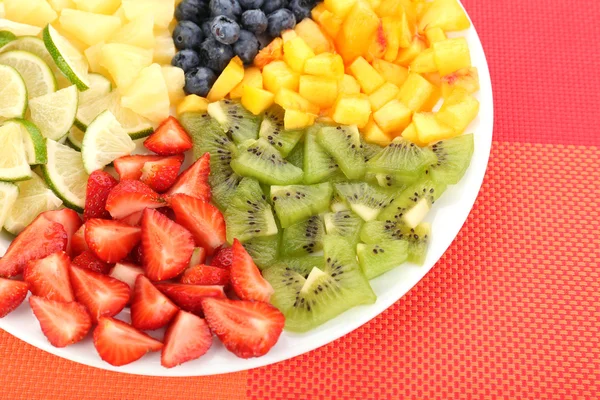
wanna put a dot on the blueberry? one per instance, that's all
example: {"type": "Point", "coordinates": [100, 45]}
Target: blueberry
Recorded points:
{"type": "Point", "coordinates": [191, 10]}
{"type": "Point", "coordinates": [206, 27]}
{"type": "Point", "coordinates": [255, 21]}
{"type": "Point", "coordinates": [187, 35]}
{"type": "Point", "coordinates": [270, 6]}
{"type": "Point", "coordinates": [279, 21]}
{"type": "Point", "coordinates": [199, 81]}
{"type": "Point", "coordinates": [215, 55]}
{"type": "Point", "coordinates": [247, 47]}
{"type": "Point", "coordinates": [301, 8]}
{"type": "Point", "coordinates": [186, 60]}
{"type": "Point", "coordinates": [225, 29]}
{"type": "Point", "coordinates": [229, 8]}
{"type": "Point", "coordinates": [250, 4]}
{"type": "Point", "coordinates": [264, 39]}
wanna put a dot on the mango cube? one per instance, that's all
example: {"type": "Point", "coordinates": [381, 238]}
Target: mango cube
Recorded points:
{"type": "Point", "coordinates": [416, 92]}
{"type": "Point", "coordinates": [192, 103]}
{"type": "Point", "coordinates": [467, 79]}
{"type": "Point", "coordinates": [386, 93]}
{"type": "Point", "coordinates": [430, 129]}
{"type": "Point", "coordinates": [393, 117]}
{"type": "Point", "coordinates": [340, 8]}
{"type": "Point", "coordinates": [288, 35]}
{"type": "Point", "coordinates": [357, 32]}
{"type": "Point", "coordinates": [319, 90]}
{"type": "Point", "coordinates": [317, 11]}
{"type": "Point", "coordinates": [325, 64]}
{"type": "Point", "coordinates": [452, 55]}
{"type": "Point", "coordinates": [278, 75]}
{"type": "Point", "coordinates": [256, 100]}
{"type": "Point", "coordinates": [124, 62]}
{"type": "Point", "coordinates": [348, 85]}
{"type": "Point", "coordinates": [252, 77]}
{"type": "Point", "coordinates": [148, 95]}
{"type": "Point", "coordinates": [88, 27]}
{"type": "Point", "coordinates": [410, 133]}
{"type": "Point", "coordinates": [312, 34]}
{"type": "Point", "coordinates": [231, 76]}
{"type": "Point", "coordinates": [424, 62]}
{"type": "Point", "coordinates": [372, 133]}
{"type": "Point", "coordinates": [295, 119]}
{"type": "Point", "coordinates": [296, 52]}
{"type": "Point", "coordinates": [352, 109]}
{"type": "Point", "coordinates": [434, 35]}
{"type": "Point", "coordinates": [367, 76]}
{"type": "Point", "coordinates": [330, 23]}
{"type": "Point", "coordinates": [446, 14]}
{"type": "Point", "coordinates": [408, 54]}
{"type": "Point", "coordinates": [391, 72]}
{"type": "Point", "coordinates": [290, 100]}
{"type": "Point", "coordinates": [458, 110]}
{"type": "Point", "coordinates": [272, 52]}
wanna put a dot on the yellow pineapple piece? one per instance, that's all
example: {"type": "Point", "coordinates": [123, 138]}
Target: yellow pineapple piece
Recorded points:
{"type": "Point", "coordinates": [93, 55]}
{"type": "Point", "coordinates": [148, 95]}
{"type": "Point", "coordinates": [458, 110]}
{"type": "Point", "coordinates": [393, 117]}
{"type": "Point", "coordinates": [325, 64]}
{"type": "Point", "coordinates": [340, 8]}
{"type": "Point", "coordinates": [446, 14]}
{"type": "Point", "coordinates": [192, 103]}
{"type": "Point", "coordinates": [78, 44]}
{"type": "Point", "coordinates": [466, 78]}
{"type": "Point", "coordinates": [416, 92]}
{"type": "Point", "coordinates": [252, 77]}
{"type": "Point", "coordinates": [367, 76]}
{"type": "Point", "coordinates": [290, 100]}
{"type": "Point", "coordinates": [319, 90]}
{"type": "Point", "coordinates": [88, 27]}
{"type": "Point", "coordinates": [452, 55]}
{"type": "Point", "coordinates": [330, 23]}
{"type": "Point", "coordinates": [162, 10]}
{"type": "Point", "coordinates": [312, 34]}
{"type": "Point", "coordinates": [352, 109]}
{"type": "Point", "coordinates": [272, 52]}
{"type": "Point", "coordinates": [164, 48]}
{"type": "Point", "coordinates": [107, 7]}
{"type": "Point", "coordinates": [348, 85]}
{"type": "Point", "coordinates": [278, 75]}
{"type": "Point", "coordinates": [410, 133]}
{"type": "Point", "coordinates": [424, 62]}
{"type": "Point", "coordinates": [296, 52]}
{"type": "Point", "coordinates": [386, 93]}
{"type": "Point", "coordinates": [295, 119]}
{"type": "Point", "coordinates": [59, 5]}
{"type": "Point", "coordinates": [408, 54]}
{"type": "Point", "coordinates": [124, 62]}
{"type": "Point", "coordinates": [434, 35]}
{"type": "Point", "coordinates": [391, 72]}
{"type": "Point", "coordinates": [231, 76]}
{"type": "Point", "coordinates": [175, 79]}
{"type": "Point", "coordinates": [121, 14]}
{"type": "Point", "coordinates": [30, 12]}
{"type": "Point", "coordinates": [430, 129]}
{"type": "Point", "coordinates": [372, 133]}
{"type": "Point", "coordinates": [139, 32]}
{"type": "Point", "coordinates": [256, 100]}
{"type": "Point", "coordinates": [288, 35]}
{"type": "Point", "coordinates": [357, 32]}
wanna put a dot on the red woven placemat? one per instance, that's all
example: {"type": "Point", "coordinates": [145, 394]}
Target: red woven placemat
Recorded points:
{"type": "Point", "coordinates": [511, 311]}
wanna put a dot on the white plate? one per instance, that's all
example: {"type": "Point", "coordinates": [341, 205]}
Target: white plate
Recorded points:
{"type": "Point", "coordinates": [447, 218]}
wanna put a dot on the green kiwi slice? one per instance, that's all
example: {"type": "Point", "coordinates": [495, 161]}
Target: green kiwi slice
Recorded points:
{"type": "Point", "coordinates": [264, 250]}
{"type": "Point", "coordinates": [303, 264]}
{"type": "Point", "coordinates": [344, 145]}
{"type": "Point", "coordinates": [303, 238]}
{"type": "Point", "coordinates": [453, 159]}
{"type": "Point", "coordinates": [421, 194]}
{"type": "Point", "coordinates": [272, 130]}
{"type": "Point", "coordinates": [364, 199]}
{"type": "Point", "coordinates": [296, 156]}
{"type": "Point", "coordinates": [379, 258]}
{"type": "Point", "coordinates": [374, 232]}
{"type": "Point", "coordinates": [318, 164]}
{"type": "Point", "coordinates": [239, 123]}
{"type": "Point", "coordinates": [295, 203]}
{"type": "Point", "coordinates": [343, 223]}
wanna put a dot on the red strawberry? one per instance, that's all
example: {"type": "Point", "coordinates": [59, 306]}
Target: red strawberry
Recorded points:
{"type": "Point", "coordinates": [118, 343]}
{"type": "Point", "coordinates": [133, 219]}
{"type": "Point", "coordinates": [246, 328]}
{"type": "Point", "coordinates": [198, 257]}
{"type": "Point", "coordinates": [129, 197]}
{"type": "Point", "coordinates": [205, 275]}
{"type": "Point", "coordinates": [88, 260]}
{"type": "Point", "coordinates": [246, 278]}
{"type": "Point", "coordinates": [187, 338]}
{"type": "Point", "coordinates": [62, 323]}
{"type": "Point", "coordinates": [12, 294]}
{"type": "Point", "coordinates": [78, 243]}
{"type": "Point", "coordinates": [126, 273]}
{"type": "Point", "coordinates": [49, 277]}
{"type": "Point", "coordinates": [99, 185]}
{"type": "Point", "coordinates": [223, 258]}
{"type": "Point", "coordinates": [169, 138]}
{"type": "Point", "coordinates": [194, 180]}
{"type": "Point", "coordinates": [69, 219]}
{"type": "Point", "coordinates": [202, 219]}
{"type": "Point", "coordinates": [150, 309]}
{"type": "Point", "coordinates": [101, 294]}
{"type": "Point", "coordinates": [137, 255]}
{"type": "Point", "coordinates": [160, 175]}
{"type": "Point", "coordinates": [111, 241]}
{"type": "Point", "coordinates": [130, 167]}
{"type": "Point", "coordinates": [167, 246]}
{"type": "Point", "coordinates": [188, 296]}
{"type": "Point", "coordinates": [40, 239]}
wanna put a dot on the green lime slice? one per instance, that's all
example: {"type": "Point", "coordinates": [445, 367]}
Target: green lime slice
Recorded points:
{"type": "Point", "coordinates": [8, 196]}
{"type": "Point", "coordinates": [13, 94]}
{"type": "Point", "coordinates": [93, 101]}
{"type": "Point", "coordinates": [99, 86]}
{"type": "Point", "coordinates": [54, 113]}
{"type": "Point", "coordinates": [75, 137]}
{"type": "Point", "coordinates": [18, 28]}
{"type": "Point", "coordinates": [13, 157]}
{"type": "Point", "coordinates": [37, 75]}
{"type": "Point", "coordinates": [35, 144]}
{"type": "Point", "coordinates": [6, 37]}
{"type": "Point", "coordinates": [68, 59]}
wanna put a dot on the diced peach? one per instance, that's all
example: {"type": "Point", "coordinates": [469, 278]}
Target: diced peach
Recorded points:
{"type": "Point", "coordinates": [416, 92]}
{"type": "Point", "coordinates": [393, 117]}
{"type": "Point", "coordinates": [373, 134]}
{"type": "Point", "coordinates": [406, 31]}
{"type": "Point", "coordinates": [386, 93]}
{"type": "Point", "coordinates": [430, 129]}
{"type": "Point", "coordinates": [277, 75]}
{"type": "Point", "coordinates": [434, 78]}
{"type": "Point", "coordinates": [374, 3]}
{"type": "Point", "coordinates": [392, 26]}
{"type": "Point", "coordinates": [295, 119]}
{"type": "Point", "coordinates": [458, 110]}
{"type": "Point", "coordinates": [192, 103]}
{"type": "Point", "coordinates": [424, 62]}
{"type": "Point", "coordinates": [446, 14]}
{"type": "Point", "coordinates": [318, 11]}
{"type": "Point", "coordinates": [467, 79]}
{"type": "Point", "coordinates": [452, 55]}
{"type": "Point", "coordinates": [357, 31]}
{"type": "Point", "coordinates": [378, 45]}
{"type": "Point", "coordinates": [435, 97]}
{"type": "Point", "coordinates": [406, 55]}
{"type": "Point", "coordinates": [231, 76]}
{"type": "Point", "coordinates": [330, 23]}
{"type": "Point", "coordinates": [410, 133]}
{"type": "Point", "coordinates": [290, 100]}
{"type": "Point", "coordinates": [352, 109]}
{"type": "Point", "coordinates": [391, 72]}
{"type": "Point", "coordinates": [340, 8]}
{"type": "Point", "coordinates": [312, 34]}
{"type": "Point", "coordinates": [390, 8]}
{"type": "Point", "coordinates": [296, 52]}
{"type": "Point", "coordinates": [272, 52]}
{"type": "Point", "coordinates": [348, 85]}
{"type": "Point", "coordinates": [434, 35]}
{"type": "Point", "coordinates": [256, 100]}
{"type": "Point", "coordinates": [325, 64]}
{"type": "Point", "coordinates": [319, 90]}
{"type": "Point", "coordinates": [367, 76]}
{"type": "Point", "coordinates": [252, 77]}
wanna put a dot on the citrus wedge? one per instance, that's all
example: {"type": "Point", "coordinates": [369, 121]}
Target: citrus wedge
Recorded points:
{"type": "Point", "coordinates": [13, 94]}
{"type": "Point", "coordinates": [37, 75]}
{"type": "Point", "coordinates": [54, 113]}
{"type": "Point", "coordinates": [13, 157]}
{"type": "Point", "coordinates": [68, 59]}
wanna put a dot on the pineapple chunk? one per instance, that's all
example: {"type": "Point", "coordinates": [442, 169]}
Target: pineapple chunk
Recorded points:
{"type": "Point", "coordinates": [319, 90]}
{"type": "Point", "coordinates": [107, 7]}
{"type": "Point", "coordinates": [273, 52]}
{"type": "Point", "coordinates": [30, 12]}
{"type": "Point", "coordinates": [293, 101]}
{"type": "Point", "coordinates": [121, 14]}
{"type": "Point", "coordinates": [392, 73]}
{"type": "Point", "coordinates": [93, 54]}
{"type": "Point", "coordinates": [296, 52]}
{"type": "Point", "coordinates": [340, 8]}
{"type": "Point", "coordinates": [410, 133]}
{"type": "Point", "coordinates": [59, 5]}
{"type": "Point", "coordinates": [367, 76]}
{"type": "Point", "coordinates": [124, 62]}
{"type": "Point", "coordinates": [278, 75]}
{"type": "Point", "coordinates": [162, 10]}
{"type": "Point", "coordinates": [288, 35]}
{"type": "Point", "coordinates": [352, 109]}
{"type": "Point", "coordinates": [458, 110]}
{"type": "Point", "coordinates": [451, 55]}
{"type": "Point", "coordinates": [408, 54]}
{"type": "Point", "coordinates": [330, 23]}
{"type": "Point", "coordinates": [348, 85]}
{"type": "Point", "coordinates": [175, 79]}
{"type": "Point", "coordinates": [256, 100]}
{"type": "Point", "coordinates": [294, 119]}
{"type": "Point", "coordinates": [78, 44]}
{"type": "Point", "coordinates": [139, 32]}
{"type": "Point", "coordinates": [446, 14]}
{"type": "Point", "coordinates": [312, 34]}
{"type": "Point", "coordinates": [325, 64]}
{"type": "Point", "coordinates": [373, 134]}
{"type": "Point", "coordinates": [231, 76]}
{"type": "Point", "coordinates": [393, 117]}
{"type": "Point", "coordinates": [467, 78]}
{"type": "Point", "coordinates": [434, 35]}
{"type": "Point", "coordinates": [386, 93]}
{"type": "Point", "coordinates": [192, 103]}
{"type": "Point", "coordinates": [252, 77]}
{"type": "Point", "coordinates": [424, 63]}
{"type": "Point", "coordinates": [148, 95]}
{"type": "Point", "coordinates": [416, 92]}
{"type": "Point", "coordinates": [88, 27]}
{"type": "Point", "coordinates": [164, 48]}
{"type": "Point", "coordinates": [430, 129]}
{"type": "Point", "coordinates": [357, 32]}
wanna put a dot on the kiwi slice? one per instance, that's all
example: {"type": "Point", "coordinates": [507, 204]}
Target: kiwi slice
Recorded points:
{"type": "Point", "coordinates": [259, 160]}
{"type": "Point", "coordinates": [296, 156]}
{"type": "Point", "coordinates": [453, 159]}
{"type": "Point", "coordinates": [264, 250]}
{"type": "Point", "coordinates": [239, 123]}
{"type": "Point", "coordinates": [325, 293]}
{"type": "Point", "coordinates": [374, 232]}
{"type": "Point", "coordinates": [295, 203]}
{"type": "Point", "coordinates": [303, 264]}
{"type": "Point", "coordinates": [364, 199]}
{"type": "Point", "coordinates": [249, 215]}
{"type": "Point", "coordinates": [272, 130]}
{"type": "Point", "coordinates": [344, 145]}
{"type": "Point", "coordinates": [370, 150]}
{"type": "Point", "coordinates": [376, 259]}
{"type": "Point", "coordinates": [303, 238]}
{"type": "Point", "coordinates": [419, 196]}
{"type": "Point", "coordinates": [343, 223]}
{"type": "Point", "coordinates": [318, 164]}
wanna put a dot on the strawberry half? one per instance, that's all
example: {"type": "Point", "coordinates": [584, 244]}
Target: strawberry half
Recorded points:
{"type": "Point", "coordinates": [62, 323]}
{"type": "Point", "coordinates": [49, 277]}
{"type": "Point", "coordinates": [12, 294]}
{"type": "Point", "coordinates": [188, 297]}
{"type": "Point", "coordinates": [126, 273]}
{"type": "Point", "coordinates": [111, 241]}
{"type": "Point", "coordinates": [160, 175]}
{"type": "Point", "coordinates": [169, 138]}
{"type": "Point", "coordinates": [99, 185]}
{"type": "Point", "coordinates": [78, 243]}
{"type": "Point", "coordinates": [246, 278]}
{"type": "Point", "coordinates": [194, 180]}
{"type": "Point", "coordinates": [130, 167]}
{"type": "Point", "coordinates": [40, 239]}
{"type": "Point", "coordinates": [129, 197]}
{"type": "Point", "coordinates": [118, 343]}
{"type": "Point", "coordinates": [150, 309]}
{"type": "Point", "coordinates": [69, 219]}
{"type": "Point", "coordinates": [167, 246]}
{"type": "Point", "coordinates": [246, 328]}
{"type": "Point", "coordinates": [101, 294]}
{"type": "Point", "coordinates": [187, 338]}
{"type": "Point", "coordinates": [133, 219]}
{"type": "Point", "coordinates": [198, 257]}
{"type": "Point", "coordinates": [205, 275]}
{"type": "Point", "coordinates": [223, 258]}
{"type": "Point", "coordinates": [202, 219]}
{"type": "Point", "coordinates": [88, 260]}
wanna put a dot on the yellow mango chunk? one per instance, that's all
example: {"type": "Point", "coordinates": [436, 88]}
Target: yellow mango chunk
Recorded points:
{"type": "Point", "coordinates": [319, 90]}
{"type": "Point", "coordinates": [139, 32]}
{"type": "Point", "coordinates": [295, 119]}
{"type": "Point", "coordinates": [367, 76]}
{"type": "Point", "coordinates": [430, 129]}
{"type": "Point", "coordinates": [467, 79]}
{"type": "Point", "coordinates": [451, 55]}
{"type": "Point", "coordinates": [278, 75]}
{"type": "Point", "coordinates": [231, 76]}
{"type": "Point", "coordinates": [391, 72]}
{"type": "Point", "coordinates": [317, 11]}
{"type": "Point", "coordinates": [256, 100]}
{"type": "Point", "coordinates": [424, 62]}
{"type": "Point", "coordinates": [296, 52]}
{"type": "Point", "coordinates": [458, 110]}
{"type": "Point", "coordinates": [357, 32]}
{"type": "Point", "coordinates": [434, 35]}
{"type": "Point", "coordinates": [148, 95]}
{"type": "Point", "coordinates": [312, 34]}
{"type": "Point", "coordinates": [340, 8]}
{"type": "Point", "coordinates": [192, 103]}
{"type": "Point", "coordinates": [290, 100]}
{"type": "Point", "coordinates": [416, 92]}
{"type": "Point", "coordinates": [88, 27]}
{"type": "Point", "coordinates": [386, 93]}
{"type": "Point", "coordinates": [410, 133]}
{"type": "Point", "coordinates": [348, 85]}
{"type": "Point", "coordinates": [252, 77]}
{"type": "Point", "coordinates": [352, 109]}
{"type": "Point", "coordinates": [329, 22]}
{"type": "Point", "coordinates": [446, 14]}
{"type": "Point", "coordinates": [393, 117]}
{"type": "Point", "coordinates": [372, 133]}
{"type": "Point", "coordinates": [325, 64]}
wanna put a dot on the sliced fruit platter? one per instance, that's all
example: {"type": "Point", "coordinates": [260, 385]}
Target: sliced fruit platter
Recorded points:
{"type": "Point", "coordinates": [224, 180]}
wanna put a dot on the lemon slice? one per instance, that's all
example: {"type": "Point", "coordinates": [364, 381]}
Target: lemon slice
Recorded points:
{"type": "Point", "coordinates": [18, 28]}
{"type": "Point", "coordinates": [35, 144]}
{"type": "Point", "coordinates": [75, 137]}
{"type": "Point", "coordinates": [13, 93]}
{"type": "Point", "coordinates": [37, 75]}
{"type": "Point", "coordinates": [13, 157]}
{"type": "Point", "coordinates": [8, 196]}
{"type": "Point", "coordinates": [54, 113]}
{"type": "Point", "coordinates": [68, 59]}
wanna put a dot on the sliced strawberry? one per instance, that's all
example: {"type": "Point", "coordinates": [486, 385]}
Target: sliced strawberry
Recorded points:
{"type": "Point", "coordinates": [246, 328]}
{"type": "Point", "coordinates": [118, 343]}
{"type": "Point", "coordinates": [187, 338]}
{"type": "Point", "coordinates": [167, 246]}
{"type": "Point", "coordinates": [12, 294]}
{"type": "Point", "coordinates": [198, 257]}
{"type": "Point", "coordinates": [223, 258]}
{"type": "Point", "coordinates": [205, 275]}
{"type": "Point", "coordinates": [40, 239]}
{"type": "Point", "coordinates": [188, 296]}
{"type": "Point", "coordinates": [150, 309]}
{"type": "Point", "coordinates": [169, 138]}
{"type": "Point", "coordinates": [78, 243]}
{"type": "Point", "coordinates": [246, 278]}
{"type": "Point", "coordinates": [111, 241]}
{"type": "Point", "coordinates": [133, 219]}
{"type": "Point", "coordinates": [160, 175]}
{"type": "Point", "coordinates": [202, 219]}
{"type": "Point", "coordinates": [194, 180]}
{"type": "Point", "coordinates": [88, 260]}
{"type": "Point", "coordinates": [126, 273]}
{"type": "Point", "coordinates": [130, 167]}
{"type": "Point", "coordinates": [49, 277]}
{"type": "Point", "coordinates": [62, 323]}
{"type": "Point", "coordinates": [69, 219]}
{"type": "Point", "coordinates": [99, 185]}
{"type": "Point", "coordinates": [137, 255]}
{"type": "Point", "coordinates": [129, 197]}
{"type": "Point", "coordinates": [101, 294]}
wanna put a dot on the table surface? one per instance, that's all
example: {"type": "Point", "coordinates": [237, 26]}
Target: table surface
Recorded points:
{"type": "Point", "coordinates": [512, 310]}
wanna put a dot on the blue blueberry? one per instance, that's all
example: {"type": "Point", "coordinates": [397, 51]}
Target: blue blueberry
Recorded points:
{"type": "Point", "coordinates": [270, 6]}
{"type": "Point", "coordinates": [301, 8]}
{"type": "Point", "coordinates": [264, 39]}
{"type": "Point", "coordinates": [251, 4]}
{"type": "Point", "coordinates": [186, 60]}
{"type": "Point", "coordinates": [199, 81]}
{"type": "Point", "coordinates": [215, 55]}
{"type": "Point", "coordinates": [225, 29]}
{"type": "Point", "coordinates": [280, 21]}
{"type": "Point", "coordinates": [187, 35]}
{"type": "Point", "coordinates": [191, 10]}
{"type": "Point", "coordinates": [255, 21]}
{"type": "Point", "coordinates": [229, 8]}
{"type": "Point", "coordinates": [246, 47]}
{"type": "Point", "coordinates": [206, 30]}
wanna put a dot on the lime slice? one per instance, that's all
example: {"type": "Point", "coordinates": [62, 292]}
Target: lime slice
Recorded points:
{"type": "Point", "coordinates": [13, 157]}
{"type": "Point", "coordinates": [35, 144]}
{"type": "Point", "coordinates": [8, 196]}
{"type": "Point", "coordinates": [99, 86]}
{"type": "Point", "coordinates": [93, 101]}
{"type": "Point", "coordinates": [37, 75]}
{"type": "Point", "coordinates": [54, 113]}
{"type": "Point", "coordinates": [13, 93]}
{"type": "Point", "coordinates": [6, 37]}
{"type": "Point", "coordinates": [65, 175]}
{"type": "Point", "coordinates": [68, 59]}
{"type": "Point", "coordinates": [75, 137]}
{"type": "Point", "coordinates": [105, 140]}
{"type": "Point", "coordinates": [18, 28]}
{"type": "Point", "coordinates": [34, 198]}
